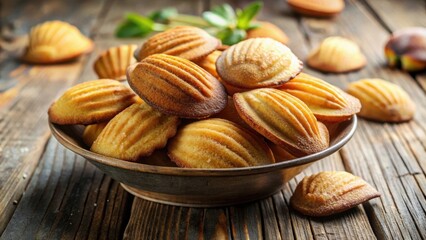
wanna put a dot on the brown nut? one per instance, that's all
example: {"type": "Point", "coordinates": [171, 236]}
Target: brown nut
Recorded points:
{"type": "Point", "coordinates": [336, 55]}
{"type": "Point", "coordinates": [382, 100]}
{"type": "Point", "coordinates": [91, 102]}
{"type": "Point", "coordinates": [328, 193]}
{"type": "Point", "coordinates": [327, 102]}
{"type": "Point", "coordinates": [187, 42]}
{"type": "Point", "coordinates": [177, 86]}
{"type": "Point", "coordinates": [217, 143]}
{"type": "Point", "coordinates": [406, 48]}
{"type": "Point", "coordinates": [113, 63]}
{"type": "Point", "coordinates": [256, 63]}
{"type": "Point", "coordinates": [55, 42]}
{"type": "Point", "coordinates": [135, 132]}
{"type": "Point", "coordinates": [283, 119]}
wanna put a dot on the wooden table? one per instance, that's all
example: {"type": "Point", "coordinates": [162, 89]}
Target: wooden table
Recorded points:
{"type": "Point", "coordinates": [47, 192]}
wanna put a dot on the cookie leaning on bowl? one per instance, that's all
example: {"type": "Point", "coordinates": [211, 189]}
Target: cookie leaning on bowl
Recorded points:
{"type": "Point", "coordinates": [177, 86]}
{"type": "Point", "coordinates": [91, 102]}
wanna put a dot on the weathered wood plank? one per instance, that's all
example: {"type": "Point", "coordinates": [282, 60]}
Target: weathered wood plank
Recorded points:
{"type": "Point", "coordinates": [388, 161]}
{"type": "Point", "coordinates": [23, 119]}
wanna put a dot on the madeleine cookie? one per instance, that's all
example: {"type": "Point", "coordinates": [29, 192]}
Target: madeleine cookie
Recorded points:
{"type": "Point", "coordinates": [327, 102]}
{"type": "Point", "coordinates": [406, 48]}
{"type": "Point", "coordinates": [91, 132]}
{"type": "Point", "coordinates": [135, 132]}
{"type": "Point", "coordinates": [55, 42]}
{"type": "Point", "coordinates": [91, 102]}
{"type": "Point", "coordinates": [113, 63]}
{"type": "Point", "coordinates": [283, 119]}
{"type": "Point", "coordinates": [187, 42]}
{"type": "Point", "coordinates": [256, 63]}
{"type": "Point", "coordinates": [208, 63]}
{"type": "Point", "coordinates": [336, 55]}
{"type": "Point", "coordinates": [382, 100]}
{"type": "Point", "coordinates": [317, 8]}
{"type": "Point", "coordinates": [217, 143]}
{"type": "Point", "coordinates": [177, 86]}
{"type": "Point", "coordinates": [268, 30]}
{"type": "Point", "coordinates": [328, 193]}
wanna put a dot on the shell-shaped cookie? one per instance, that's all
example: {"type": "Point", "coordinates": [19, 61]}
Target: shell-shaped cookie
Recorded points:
{"type": "Point", "coordinates": [382, 100]}
{"type": "Point", "coordinates": [177, 86]}
{"type": "Point", "coordinates": [327, 102]}
{"type": "Point", "coordinates": [217, 143]}
{"type": "Point", "coordinates": [283, 119]}
{"type": "Point", "coordinates": [91, 102]}
{"type": "Point", "coordinates": [280, 154]}
{"type": "Point", "coordinates": [256, 63]}
{"type": "Point", "coordinates": [317, 8]}
{"type": "Point", "coordinates": [328, 193]}
{"type": "Point", "coordinates": [56, 41]}
{"type": "Point", "coordinates": [113, 63]}
{"type": "Point", "coordinates": [268, 30]}
{"type": "Point", "coordinates": [336, 54]}
{"type": "Point", "coordinates": [135, 132]}
{"type": "Point", "coordinates": [91, 132]}
{"type": "Point", "coordinates": [208, 63]}
{"type": "Point", "coordinates": [187, 42]}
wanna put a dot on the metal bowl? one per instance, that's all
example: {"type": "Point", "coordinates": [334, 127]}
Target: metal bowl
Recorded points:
{"type": "Point", "coordinates": [200, 187]}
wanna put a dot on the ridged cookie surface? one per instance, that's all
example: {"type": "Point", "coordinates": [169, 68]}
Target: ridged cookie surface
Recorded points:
{"type": "Point", "coordinates": [217, 143]}
{"type": "Point", "coordinates": [187, 42]}
{"type": "Point", "coordinates": [283, 119]}
{"type": "Point", "coordinates": [135, 132]}
{"type": "Point", "coordinates": [177, 86]}
{"type": "Point", "coordinates": [91, 102]}
{"type": "Point", "coordinates": [337, 54]}
{"type": "Point", "coordinates": [256, 63]}
{"type": "Point", "coordinates": [91, 132]}
{"type": "Point", "coordinates": [113, 63]}
{"type": "Point", "coordinates": [328, 193]}
{"type": "Point", "coordinates": [327, 102]}
{"type": "Point", "coordinates": [382, 100]}
{"type": "Point", "coordinates": [54, 42]}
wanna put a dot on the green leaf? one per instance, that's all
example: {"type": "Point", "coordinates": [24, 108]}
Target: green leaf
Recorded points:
{"type": "Point", "coordinates": [134, 26]}
{"type": "Point", "coordinates": [226, 11]}
{"type": "Point", "coordinates": [247, 14]}
{"type": "Point", "coordinates": [163, 15]}
{"type": "Point", "coordinates": [215, 19]}
{"type": "Point", "coordinates": [231, 36]}
{"type": "Point", "coordinates": [129, 29]}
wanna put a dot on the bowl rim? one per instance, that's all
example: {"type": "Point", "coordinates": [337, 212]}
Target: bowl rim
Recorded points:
{"type": "Point", "coordinates": [59, 134]}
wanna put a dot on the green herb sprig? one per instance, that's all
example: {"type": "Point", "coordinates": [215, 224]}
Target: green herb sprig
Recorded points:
{"type": "Point", "coordinates": [223, 22]}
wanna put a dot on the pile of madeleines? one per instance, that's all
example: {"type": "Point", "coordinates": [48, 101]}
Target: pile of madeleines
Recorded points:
{"type": "Point", "coordinates": [194, 103]}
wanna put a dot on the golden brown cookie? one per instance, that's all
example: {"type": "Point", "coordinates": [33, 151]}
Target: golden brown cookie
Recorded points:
{"type": "Point", "coordinates": [113, 63]}
{"type": "Point", "coordinates": [327, 102]}
{"type": "Point", "coordinates": [187, 42]}
{"type": "Point", "coordinates": [256, 63]}
{"type": "Point", "coordinates": [283, 119]}
{"type": "Point", "coordinates": [217, 143]}
{"type": "Point", "coordinates": [328, 193]}
{"type": "Point", "coordinates": [382, 101]}
{"type": "Point", "coordinates": [55, 42]}
{"type": "Point", "coordinates": [336, 55]}
{"type": "Point", "coordinates": [268, 30]}
{"type": "Point", "coordinates": [317, 8]}
{"type": "Point", "coordinates": [406, 48]}
{"type": "Point", "coordinates": [135, 132]}
{"type": "Point", "coordinates": [91, 102]}
{"type": "Point", "coordinates": [177, 86]}
{"type": "Point", "coordinates": [91, 132]}
{"type": "Point", "coordinates": [280, 154]}
{"type": "Point", "coordinates": [208, 63]}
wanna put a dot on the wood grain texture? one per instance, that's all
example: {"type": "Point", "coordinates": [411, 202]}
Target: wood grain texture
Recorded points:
{"type": "Point", "coordinates": [385, 155]}
{"type": "Point", "coordinates": [23, 118]}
